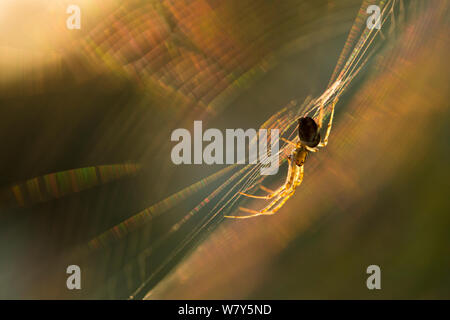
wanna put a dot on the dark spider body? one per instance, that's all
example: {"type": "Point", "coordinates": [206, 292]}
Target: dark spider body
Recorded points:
{"type": "Point", "coordinates": [309, 135]}
{"type": "Point", "coordinates": [308, 132]}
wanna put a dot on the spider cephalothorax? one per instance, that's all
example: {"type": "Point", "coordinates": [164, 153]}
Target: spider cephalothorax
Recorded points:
{"type": "Point", "coordinates": [308, 132]}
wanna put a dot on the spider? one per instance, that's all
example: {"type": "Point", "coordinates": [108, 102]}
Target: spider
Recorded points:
{"type": "Point", "coordinates": [309, 141]}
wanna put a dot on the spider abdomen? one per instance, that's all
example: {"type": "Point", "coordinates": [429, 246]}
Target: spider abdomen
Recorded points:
{"type": "Point", "coordinates": [308, 132]}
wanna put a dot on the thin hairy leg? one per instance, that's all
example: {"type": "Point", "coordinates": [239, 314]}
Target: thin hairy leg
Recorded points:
{"type": "Point", "coordinates": [279, 201]}
{"type": "Point", "coordinates": [279, 190]}
{"type": "Point", "coordinates": [255, 213]}
{"type": "Point", "coordinates": [290, 142]}
{"type": "Point", "coordinates": [300, 176]}
{"type": "Point", "coordinates": [289, 186]}
{"type": "Point", "coordinates": [330, 122]}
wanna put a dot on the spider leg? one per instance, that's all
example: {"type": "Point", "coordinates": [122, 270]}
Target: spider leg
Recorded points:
{"type": "Point", "coordinates": [292, 182]}
{"type": "Point", "coordinates": [280, 204]}
{"type": "Point", "coordinates": [266, 197]}
{"type": "Point", "coordinates": [311, 149]}
{"type": "Point", "coordinates": [272, 193]}
{"type": "Point", "coordinates": [254, 213]}
{"type": "Point", "coordinates": [300, 177]}
{"type": "Point", "coordinates": [245, 217]}
{"type": "Point", "coordinates": [320, 118]}
{"type": "Point", "coordinates": [266, 189]}
{"type": "Point", "coordinates": [298, 181]}
{"type": "Point", "coordinates": [289, 142]}
{"type": "Point", "coordinates": [330, 122]}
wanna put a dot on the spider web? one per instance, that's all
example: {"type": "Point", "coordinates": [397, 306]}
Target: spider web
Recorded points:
{"type": "Point", "coordinates": [360, 45]}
